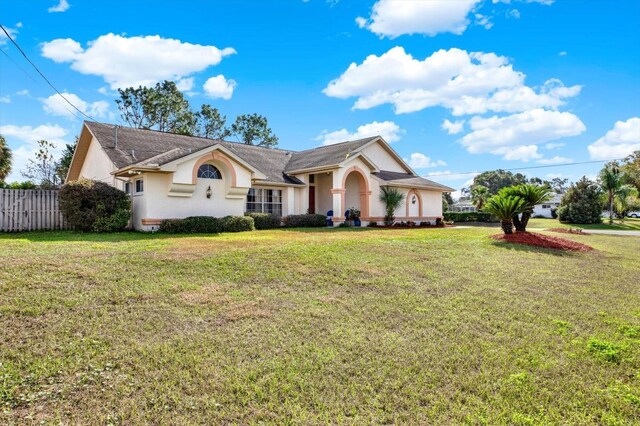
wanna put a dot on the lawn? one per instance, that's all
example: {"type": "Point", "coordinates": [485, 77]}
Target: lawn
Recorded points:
{"type": "Point", "coordinates": [425, 326]}
{"type": "Point", "coordinates": [629, 224]}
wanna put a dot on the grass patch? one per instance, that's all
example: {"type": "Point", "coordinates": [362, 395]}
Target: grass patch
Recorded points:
{"type": "Point", "coordinates": [629, 224]}
{"type": "Point", "coordinates": [423, 326]}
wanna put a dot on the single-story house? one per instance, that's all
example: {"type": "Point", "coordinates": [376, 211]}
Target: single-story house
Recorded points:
{"type": "Point", "coordinates": [544, 210]}
{"type": "Point", "coordinates": [463, 206]}
{"type": "Point", "coordinates": [175, 176]}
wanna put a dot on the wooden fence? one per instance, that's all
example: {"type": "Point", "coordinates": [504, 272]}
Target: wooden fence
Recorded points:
{"type": "Point", "coordinates": [29, 210]}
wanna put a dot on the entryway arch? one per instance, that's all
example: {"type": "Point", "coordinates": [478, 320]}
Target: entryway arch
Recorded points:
{"type": "Point", "coordinates": [356, 191]}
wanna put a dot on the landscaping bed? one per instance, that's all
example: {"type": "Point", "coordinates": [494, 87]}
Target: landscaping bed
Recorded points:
{"type": "Point", "coordinates": [545, 241]}
{"type": "Point", "coordinates": [575, 231]}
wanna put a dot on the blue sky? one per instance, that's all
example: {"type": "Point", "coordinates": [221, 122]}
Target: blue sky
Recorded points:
{"type": "Point", "coordinates": [455, 86]}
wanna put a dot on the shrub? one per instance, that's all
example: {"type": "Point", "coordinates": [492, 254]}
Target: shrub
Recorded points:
{"type": "Point", "coordinates": [373, 224]}
{"type": "Point", "coordinates": [469, 217]}
{"type": "Point", "coordinates": [305, 221]}
{"type": "Point", "coordinates": [237, 224]}
{"type": "Point", "coordinates": [19, 185]}
{"type": "Point", "coordinates": [192, 225]}
{"type": "Point", "coordinates": [265, 220]}
{"type": "Point", "coordinates": [439, 221]}
{"type": "Point", "coordinates": [554, 213]}
{"type": "Point", "coordinates": [89, 205]}
{"type": "Point", "coordinates": [582, 203]}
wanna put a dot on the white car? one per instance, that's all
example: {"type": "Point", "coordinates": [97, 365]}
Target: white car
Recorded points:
{"type": "Point", "coordinates": [633, 214]}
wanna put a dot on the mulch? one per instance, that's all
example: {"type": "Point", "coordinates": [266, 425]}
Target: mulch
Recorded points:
{"type": "Point", "coordinates": [539, 240]}
{"type": "Point", "coordinates": [577, 231]}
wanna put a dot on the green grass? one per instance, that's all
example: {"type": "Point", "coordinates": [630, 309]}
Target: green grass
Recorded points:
{"type": "Point", "coordinates": [629, 224]}
{"type": "Point", "coordinates": [425, 326]}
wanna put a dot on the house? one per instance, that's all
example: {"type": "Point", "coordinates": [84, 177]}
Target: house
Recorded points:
{"type": "Point", "coordinates": [175, 176]}
{"type": "Point", "coordinates": [544, 210]}
{"type": "Point", "coordinates": [463, 206]}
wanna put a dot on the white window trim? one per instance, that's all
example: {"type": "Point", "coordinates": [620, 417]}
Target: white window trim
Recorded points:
{"type": "Point", "coordinates": [135, 186]}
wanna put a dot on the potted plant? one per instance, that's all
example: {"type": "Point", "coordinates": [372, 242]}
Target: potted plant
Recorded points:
{"type": "Point", "coordinates": [354, 216]}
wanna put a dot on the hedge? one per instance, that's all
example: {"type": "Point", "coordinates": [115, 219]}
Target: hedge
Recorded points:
{"type": "Point", "coordinates": [305, 221]}
{"type": "Point", "coordinates": [469, 217]}
{"type": "Point", "coordinates": [192, 225]}
{"type": "Point", "coordinates": [89, 205]}
{"type": "Point", "coordinates": [265, 220]}
{"type": "Point", "coordinates": [237, 224]}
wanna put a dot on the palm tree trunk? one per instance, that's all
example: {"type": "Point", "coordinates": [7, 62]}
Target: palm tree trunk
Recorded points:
{"type": "Point", "coordinates": [610, 207]}
{"type": "Point", "coordinates": [520, 227]}
{"type": "Point", "coordinates": [507, 226]}
{"type": "Point", "coordinates": [525, 220]}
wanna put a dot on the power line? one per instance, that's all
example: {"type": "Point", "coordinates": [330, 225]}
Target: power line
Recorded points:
{"type": "Point", "coordinates": [43, 76]}
{"type": "Point", "coordinates": [17, 65]}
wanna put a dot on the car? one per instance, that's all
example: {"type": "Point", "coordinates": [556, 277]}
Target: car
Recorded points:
{"type": "Point", "coordinates": [633, 214]}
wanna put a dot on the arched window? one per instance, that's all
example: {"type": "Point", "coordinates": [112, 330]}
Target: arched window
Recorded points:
{"type": "Point", "coordinates": [207, 171]}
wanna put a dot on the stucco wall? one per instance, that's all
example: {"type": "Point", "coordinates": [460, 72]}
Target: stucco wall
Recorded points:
{"type": "Point", "coordinates": [98, 166]}
{"type": "Point", "coordinates": [324, 198]}
{"type": "Point", "coordinates": [382, 159]}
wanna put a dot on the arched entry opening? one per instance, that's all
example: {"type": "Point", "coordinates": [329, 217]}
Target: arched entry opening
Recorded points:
{"type": "Point", "coordinates": [414, 204]}
{"type": "Point", "coordinates": [356, 191]}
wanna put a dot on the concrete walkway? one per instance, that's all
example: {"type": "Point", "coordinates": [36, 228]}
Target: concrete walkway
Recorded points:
{"type": "Point", "coordinates": [612, 232]}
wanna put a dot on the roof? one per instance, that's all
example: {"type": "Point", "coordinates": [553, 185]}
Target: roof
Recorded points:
{"type": "Point", "coordinates": [131, 147]}
{"type": "Point", "coordinates": [407, 179]}
{"type": "Point", "coordinates": [324, 156]}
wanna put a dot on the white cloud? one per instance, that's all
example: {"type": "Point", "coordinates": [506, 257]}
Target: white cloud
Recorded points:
{"type": "Point", "coordinates": [421, 161]}
{"type": "Point", "coordinates": [185, 84]}
{"type": "Point", "coordinates": [392, 18]}
{"type": "Point", "coordinates": [13, 32]}
{"type": "Point", "coordinates": [56, 105]}
{"type": "Point", "coordinates": [447, 175]}
{"type": "Point", "coordinates": [555, 160]}
{"type": "Point", "coordinates": [26, 138]}
{"type": "Point", "coordinates": [618, 142]}
{"type": "Point", "coordinates": [483, 21]}
{"type": "Point", "coordinates": [62, 6]}
{"type": "Point", "coordinates": [554, 145]}
{"type": "Point", "coordinates": [453, 127]}
{"type": "Point", "coordinates": [133, 61]}
{"type": "Point", "coordinates": [388, 130]}
{"type": "Point", "coordinates": [219, 87]}
{"type": "Point", "coordinates": [516, 136]}
{"type": "Point", "coordinates": [563, 53]}
{"type": "Point", "coordinates": [5, 99]}
{"type": "Point", "coordinates": [465, 83]}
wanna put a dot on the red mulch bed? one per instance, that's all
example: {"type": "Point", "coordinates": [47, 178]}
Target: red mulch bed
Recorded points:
{"type": "Point", "coordinates": [577, 231]}
{"type": "Point", "coordinates": [539, 240]}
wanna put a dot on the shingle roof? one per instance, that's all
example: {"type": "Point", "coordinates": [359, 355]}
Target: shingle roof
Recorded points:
{"type": "Point", "coordinates": [329, 155]}
{"type": "Point", "coordinates": [407, 179]}
{"type": "Point", "coordinates": [148, 147]}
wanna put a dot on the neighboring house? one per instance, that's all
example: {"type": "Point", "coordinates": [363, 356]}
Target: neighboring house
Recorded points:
{"type": "Point", "coordinates": [544, 210]}
{"type": "Point", "coordinates": [463, 206]}
{"type": "Point", "coordinates": [175, 176]}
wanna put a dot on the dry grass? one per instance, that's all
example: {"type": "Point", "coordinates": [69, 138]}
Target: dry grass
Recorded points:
{"type": "Point", "coordinates": [433, 326]}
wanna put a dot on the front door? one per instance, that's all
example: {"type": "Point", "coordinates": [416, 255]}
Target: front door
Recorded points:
{"type": "Point", "coordinates": [312, 199]}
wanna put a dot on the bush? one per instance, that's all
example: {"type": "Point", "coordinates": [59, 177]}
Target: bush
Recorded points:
{"type": "Point", "coordinates": [582, 203]}
{"type": "Point", "coordinates": [192, 225]}
{"type": "Point", "coordinates": [19, 185]}
{"type": "Point", "coordinates": [237, 224]}
{"type": "Point", "coordinates": [305, 221]}
{"type": "Point", "coordinates": [265, 220]}
{"type": "Point", "coordinates": [373, 224]}
{"type": "Point", "coordinates": [89, 205]}
{"type": "Point", "coordinates": [554, 213]}
{"type": "Point", "coordinates": [469, 217]}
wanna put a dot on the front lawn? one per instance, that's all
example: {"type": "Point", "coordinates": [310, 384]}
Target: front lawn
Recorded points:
{"type": "Point", "coordinates": [629, 224]}
{"type": "Point", "coordinates": [424, 326]}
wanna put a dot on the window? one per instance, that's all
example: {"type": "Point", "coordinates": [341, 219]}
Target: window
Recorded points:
{"type": "Point", "coordinates": [207, 171]}
{"type": "Point", "coordinates": [139, 186]}
{"type": "Point", "coordinates": [264, 201]}
{"type": "Point", "coordinates": [127, 188]}
{"type": "Point", "coordinates": [312, 178]}
{"type": "Point", "coordinates": [546, 206]}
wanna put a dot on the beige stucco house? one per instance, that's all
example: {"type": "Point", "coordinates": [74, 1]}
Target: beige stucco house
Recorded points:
{"type": "Point", "coordinates": [175, 176]}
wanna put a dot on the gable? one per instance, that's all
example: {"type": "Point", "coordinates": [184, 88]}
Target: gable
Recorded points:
{"type": "Point", "coordinates": [385, 158]}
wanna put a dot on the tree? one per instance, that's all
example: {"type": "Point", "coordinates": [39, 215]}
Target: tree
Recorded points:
{"type": "Point", "coordinates": [391, 198]}
{"type": "Point", "coordinates": [447, 200]}
{"type": "Point", "coordinates": [5, 159]}
{"type": "Point", "coordinates": [163, 108]}
{"type": "Point", "coordinates": [582, 203]}
{"type": "Point", "coordinates": [505, 207]}
{"type": "Point", "coordinates": [625, 200]}
{"type": "Point", "coordinates": [479, 195]}
{"type": "Point", "coordinates": [631, 170]}
{"type": "Point", "coordinates": [253, 129]}
{"type": "Point", "coordinates": [210, 123]}
{"type": "Point", "coordinates": [530, 196]}
{"type": "Point", "coordinates": [559, 185]}
{"type": "Point", "coordinates": [497, 179]}
{"type": "Point", "coordinates": [42, 169]}
{"type": "Point", "coordinates": [63, 164]}
{"type": "Point", "coordinates": [610, 180]}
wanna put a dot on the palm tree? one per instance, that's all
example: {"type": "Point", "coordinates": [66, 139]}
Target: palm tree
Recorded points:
{"type": "Point", "coordinates": [479, 195]}
{"type": "Point", "coordinates": [623, 199]}
{"type": "Point", "coordinates": [531, 195]}
{"type": "Point", "coordinates": [5, 159]}
{"type": "Point", "coordinates": [611, 180]}
{"type": "Point", "coordinates": [391, 198]}
{"type": "Point", "coordinates": [505, 207]}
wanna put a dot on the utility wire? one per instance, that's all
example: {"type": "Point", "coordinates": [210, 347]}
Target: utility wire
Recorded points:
{"type": "Point", "coordinates": [18, 65]}
{"type": "Point", "coordinates": [43, 76]}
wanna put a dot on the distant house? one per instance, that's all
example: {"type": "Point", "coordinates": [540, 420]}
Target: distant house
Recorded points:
{"type": "Point", "coordinates": [544, 210]}
{"type": "Point", "coordinates": [464, 206]}
{"type": "Point", "coordinates": [175, 176]}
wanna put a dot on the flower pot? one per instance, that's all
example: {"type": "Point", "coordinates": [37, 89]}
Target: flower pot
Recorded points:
{"type": "Point", "coordinates": [356, 222]}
